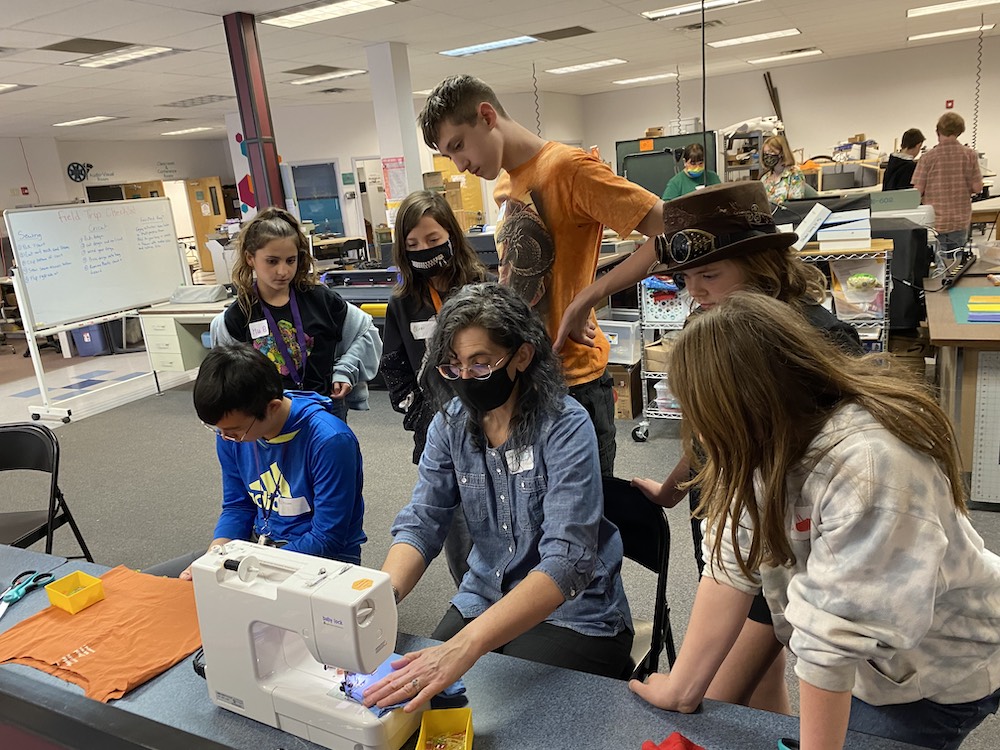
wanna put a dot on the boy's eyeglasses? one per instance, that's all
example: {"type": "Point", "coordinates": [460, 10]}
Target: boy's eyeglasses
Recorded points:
{"type": "Point", "coordinates": [224, 436]}
{"type": "Point", "coordinates": [478, 372]}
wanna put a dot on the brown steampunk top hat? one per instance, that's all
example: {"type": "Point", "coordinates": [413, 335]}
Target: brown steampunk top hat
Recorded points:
{"type": "Point", "coordinates": [718, 223]}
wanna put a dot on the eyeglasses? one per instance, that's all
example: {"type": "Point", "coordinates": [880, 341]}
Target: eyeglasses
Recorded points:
{"type": "Point", "coordinates": [224, 436]}
{"type": "Point", "coordinates": [684, 246]}
{"type": "Point", "coordinates": [478, 372]}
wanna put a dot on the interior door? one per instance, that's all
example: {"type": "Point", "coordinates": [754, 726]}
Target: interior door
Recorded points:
{"type": "Point", "coordinates": [207, 213]}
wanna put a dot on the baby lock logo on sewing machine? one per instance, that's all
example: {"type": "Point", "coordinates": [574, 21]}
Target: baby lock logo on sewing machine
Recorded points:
{"type": "Point", "coordinates": [335, 622]}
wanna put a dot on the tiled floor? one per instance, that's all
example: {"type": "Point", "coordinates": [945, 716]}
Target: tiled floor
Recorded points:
{"type": "Point", "coordinates": [92, 386]}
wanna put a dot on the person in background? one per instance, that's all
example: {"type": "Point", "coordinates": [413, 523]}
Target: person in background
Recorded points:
{"type": "Point", "coordinates": [434, 260]}
{"type": "Point", "coordinates": [947, 177]}
{"type": "Point", "coordinates": [316, 340]}
{"type": "Point", "coordinates": [833, 484]}
{"type": "Point", "coordinates": [554, 202]}
{"type": "Point", "coordinates": [519, 457]}
{"type": "Point", "coordinates": [694, 175]}
{"type": "Point", "coordinates": [782, 178]}
{"type": "Point", "coordinates": [899, 172]}
{"type": "Point", "coordinates": [291, 470]}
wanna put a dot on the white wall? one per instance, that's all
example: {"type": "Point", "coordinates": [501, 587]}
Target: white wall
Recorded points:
{"type": "Point", "coordinates": [824, 102]}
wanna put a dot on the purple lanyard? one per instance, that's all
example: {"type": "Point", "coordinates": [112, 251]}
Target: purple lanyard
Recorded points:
{"type": "Point", "coordinates": [279, 340]}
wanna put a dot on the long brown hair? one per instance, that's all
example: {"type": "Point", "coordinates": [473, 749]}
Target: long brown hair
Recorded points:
{"type": "Point", "coordinates": [465, 267]}
{"type": "Point", "coordinates": [781, 274]}
{"type": "Point", "coordinates": [270, 224]}
{"type": "Point", "coordinates": [756, 385]}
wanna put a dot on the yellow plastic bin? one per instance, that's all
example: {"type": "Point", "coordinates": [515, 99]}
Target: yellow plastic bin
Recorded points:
{"type": "Point", "coordinates": [446, 729]}
{"type": "Point", "coordinates": [75, 592]}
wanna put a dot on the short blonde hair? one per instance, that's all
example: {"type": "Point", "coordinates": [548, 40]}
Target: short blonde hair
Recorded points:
{"type": "Point", "coordinates": [950, 124]}
{"type": "Point", "coordinates": [781, 143]}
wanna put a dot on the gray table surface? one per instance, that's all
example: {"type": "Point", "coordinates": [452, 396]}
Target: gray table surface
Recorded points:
{"type": "Point", "coordinates": [516, 704]}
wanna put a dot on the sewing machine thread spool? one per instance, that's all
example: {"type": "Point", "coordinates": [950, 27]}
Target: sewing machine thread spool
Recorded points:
{"type": "Point", "coordinates": [246, 569]}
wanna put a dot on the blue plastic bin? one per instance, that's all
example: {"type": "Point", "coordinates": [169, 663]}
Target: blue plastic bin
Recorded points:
{"type": "Point", "coordinates": [90, 341]}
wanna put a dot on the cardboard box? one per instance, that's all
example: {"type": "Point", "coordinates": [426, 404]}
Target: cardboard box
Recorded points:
{"type": "Point", "coordinates": [656, 357]}
{"type": "Point", "coordinates": [627, 385]}
{"type": "Point", "coordinates": [654, 132]}
{"type": "Point", "coordinates": [433, 180]}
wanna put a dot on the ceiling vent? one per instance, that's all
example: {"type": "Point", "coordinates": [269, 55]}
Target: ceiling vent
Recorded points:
{"type": "Point", "coordinates": [567, 33]}
{"type": "Point", "coordinates": [697, 26]}
{"type": "Point", "coordinates": [198, 101]}
{"type": "Point", "coordinates": [334, 90]}
{"type": "Point", "coordinates": [81, 46]}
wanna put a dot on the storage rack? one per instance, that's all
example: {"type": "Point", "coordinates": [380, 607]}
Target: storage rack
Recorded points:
{"type": "Point", "coordinates": [880, 250]}
{"type": "Point", "coordinates": [656, 315]}
{"type": "Point", "coordinates": [749, 169]}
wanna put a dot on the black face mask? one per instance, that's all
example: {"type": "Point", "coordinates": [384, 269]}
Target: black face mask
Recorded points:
{"type": "Point", "coordinates": [770, 160]}
{"type": "Point", "coordinates": [430, 261]}
{"type": "Point", "coordinates": [481, 396]}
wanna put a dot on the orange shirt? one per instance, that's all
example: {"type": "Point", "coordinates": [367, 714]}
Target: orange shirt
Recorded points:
{"type": "Point", "coordinates": [144, 626]}
{"type": "Point", "coordinates": [553, 210]}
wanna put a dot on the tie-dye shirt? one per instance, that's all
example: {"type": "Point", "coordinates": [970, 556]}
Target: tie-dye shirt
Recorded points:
{"type": "Point", "coordinates": [892, 594]}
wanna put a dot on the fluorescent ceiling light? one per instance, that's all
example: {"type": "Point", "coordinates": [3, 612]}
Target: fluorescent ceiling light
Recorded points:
{"type": "Point", "coordinates": [930, 10]}
{"type": "Point", "coordinates": [187, 130]}
{"type": "Point", "coordinates": [755, 38]}
{"type": "Point", "coordinates": [643, 79]}
{"type": "Point", "coordinates": [688, 8]}
{"type": "Point", "coordinates": [124, 56]}
{"type": "Point", "coordinates": [302, 15]}
{"type": "Point", "coordinates": [587, 66]}
{"type": "Point", "coordinates": [951, 32]}
{"type": "Point", "coordinates": [790, 56]}
{"type": "Point", "coordinates": [327, 77]}
{"type": "Point", "coordinates": [84, 121]}
{"type": "Point", "coordinates": [474, 49]}
{"type": "Point", "coordinates": [423, 92]}
{"type": "Point", "coordinates": [8, 86]}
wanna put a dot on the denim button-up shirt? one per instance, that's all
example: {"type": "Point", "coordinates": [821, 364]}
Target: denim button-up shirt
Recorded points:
{"type": "Point", "coordinates": [535, 508]}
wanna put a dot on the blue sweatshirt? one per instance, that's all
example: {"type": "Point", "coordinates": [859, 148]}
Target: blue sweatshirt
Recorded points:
{"type": "Point", "coordinates": [302, 487]}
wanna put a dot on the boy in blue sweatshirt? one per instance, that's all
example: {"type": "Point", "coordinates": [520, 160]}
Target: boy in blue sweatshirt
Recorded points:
{"type": "Point", "coordinates": [291, 470]}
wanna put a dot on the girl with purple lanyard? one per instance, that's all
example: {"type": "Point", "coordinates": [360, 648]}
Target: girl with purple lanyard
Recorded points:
{"type": "Point", "coordinates": [305, 328]}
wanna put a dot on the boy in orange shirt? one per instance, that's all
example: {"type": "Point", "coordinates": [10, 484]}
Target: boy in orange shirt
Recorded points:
{"type": "Point", "coordinates": [554, 202]}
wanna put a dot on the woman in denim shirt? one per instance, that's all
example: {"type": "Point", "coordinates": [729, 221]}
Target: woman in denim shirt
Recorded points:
{"type": "Point", "coordinates": [519, 458]}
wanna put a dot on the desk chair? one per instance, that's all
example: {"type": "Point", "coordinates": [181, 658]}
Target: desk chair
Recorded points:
{"type": "Point", "coordinates": [646, 538]}
{"type": "Point", "coordinates": [33, 447]}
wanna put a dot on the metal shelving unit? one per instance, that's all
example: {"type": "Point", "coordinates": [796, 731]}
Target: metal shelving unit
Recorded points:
{"type": "Point", "coordinates": [658, 313]}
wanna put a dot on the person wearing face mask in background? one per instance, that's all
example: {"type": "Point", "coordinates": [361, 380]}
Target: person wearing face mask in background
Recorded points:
{"type": "Point", "coordinates": [782, 178]}
{"type": "Point", "coordinates": [693, 177]}
{"type": "Point", "coordinates": [518, 457]}
{"type": "Point", "coordinates": [434, 260]}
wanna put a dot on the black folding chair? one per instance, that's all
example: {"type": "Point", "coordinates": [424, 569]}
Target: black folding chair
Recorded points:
{"type": "Point", "coordinates": [34, 447]}
{"type": "Point", "coordinates": [646, 538]}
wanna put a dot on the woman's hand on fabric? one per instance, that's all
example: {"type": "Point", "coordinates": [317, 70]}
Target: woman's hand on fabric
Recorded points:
{"type": "Point", "coordinates": [340, 390]}
{"type": "Point", "coordinates": [420, 675]}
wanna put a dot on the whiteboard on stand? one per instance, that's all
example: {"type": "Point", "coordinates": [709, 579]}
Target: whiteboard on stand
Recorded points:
{"type": "Point", "coordinates": [82, 261]}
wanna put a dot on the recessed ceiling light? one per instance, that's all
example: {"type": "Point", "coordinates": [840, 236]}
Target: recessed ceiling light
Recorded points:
{"type": "Point", "coordinates": [475, 49]}
{"type": "Point", "coordinates": [755, 38]}
{"type": "Point", "coordinates": [587, 66]}
{"type": "Point", "coordinates": [124, 56]}
{"type": "Point", "coordinates": [187, 130]}
{"type": "Point", "coordinates": [687, 8]}
{"type": "Point", "coordinates": [950, 32]}
{"type": "Point", "coordinates": [930, 10]}
{"type": "Point", "coordinates": [787, 56]}
{"type": "Point", "coordinates": [84, 121]}
{"type": "Point", "coordinates": [327, 77]}
{"type": "Point", "coordinates": [643, 79]}
{"type": "Point", "coordinates": [301, 15]}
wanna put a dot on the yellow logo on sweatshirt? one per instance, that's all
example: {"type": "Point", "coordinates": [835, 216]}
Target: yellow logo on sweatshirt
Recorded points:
{"type": "Point", "coordinates": [271, 485]}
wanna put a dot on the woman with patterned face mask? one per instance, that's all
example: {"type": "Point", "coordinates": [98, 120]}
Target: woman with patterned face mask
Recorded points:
{"type": "Point", "coordinates": [693, 177]}
{"type": "Point", "coordinates": [517, 456]}
{"type": "Point", "coordinates": [434, 260]}
{"type": "Point", "coordinates": [782, 178]}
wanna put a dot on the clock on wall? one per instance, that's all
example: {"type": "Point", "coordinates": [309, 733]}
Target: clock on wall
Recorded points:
{"type": "Point", "coordinates": [78, 172]}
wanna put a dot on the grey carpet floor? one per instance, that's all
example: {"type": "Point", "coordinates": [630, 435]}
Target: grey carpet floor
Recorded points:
{"type": "Point", "coordinates": [143, 482]}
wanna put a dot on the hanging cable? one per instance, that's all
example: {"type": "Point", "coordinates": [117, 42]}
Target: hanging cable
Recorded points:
{"type": "Point", "coordinates": [979, 77]}
{"type": "Point", "coordinates": [538, 111]}
{"type": "Point", "coordinates": [677, 89]}
{"type": "Point", "coordinates": [704, 87]}
{"type": "Point", "coordinates": [27, 168]}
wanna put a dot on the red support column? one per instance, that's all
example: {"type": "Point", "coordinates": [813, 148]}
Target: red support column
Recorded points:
{"type": "Point", "coordinates": [255, 111]}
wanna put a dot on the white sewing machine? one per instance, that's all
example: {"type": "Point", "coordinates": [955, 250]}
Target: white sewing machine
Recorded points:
{"type": "Point", "coordinates": [275, 624]}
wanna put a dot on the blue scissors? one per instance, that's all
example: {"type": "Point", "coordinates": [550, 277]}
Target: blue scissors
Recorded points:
{"type": "Point", "coordinates": [21, 585]}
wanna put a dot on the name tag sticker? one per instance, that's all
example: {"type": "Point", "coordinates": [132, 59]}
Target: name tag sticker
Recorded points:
{"type": "Point", "coordinates": [518, 462]}
{"type": "Point", "coordinates": [423, 330]}
{"type": "Point", "coordinates": [292, 506]}
{"type": "Point", "coordinates": [258, 329]}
